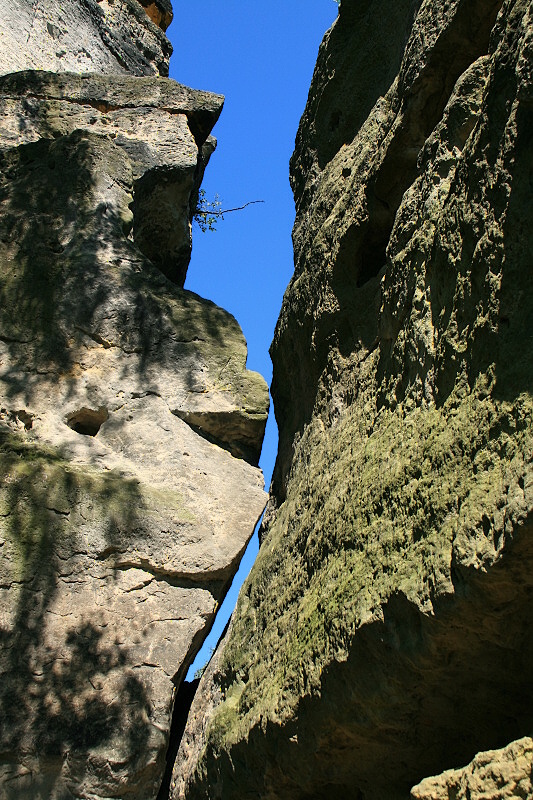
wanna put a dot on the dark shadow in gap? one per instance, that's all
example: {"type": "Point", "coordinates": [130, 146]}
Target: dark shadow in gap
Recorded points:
{"type": "Point", "coordinates": [182, 704]}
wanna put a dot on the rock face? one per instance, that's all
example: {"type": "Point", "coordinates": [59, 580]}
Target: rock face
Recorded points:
{"type": "Point", "coordinates": [111, 36]}
{"type": "Point", "coordinates": [162, 126]}
{"type": "Point", "coordinates": [384, 633]}
{"type": "Point", "coordinates": [494, 775]}
{"type": "Point", "coordinates": [129, 425]}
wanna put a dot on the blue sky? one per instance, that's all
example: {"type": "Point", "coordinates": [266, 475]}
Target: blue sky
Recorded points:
{"type": "Point", "coordinates": [261, 56]}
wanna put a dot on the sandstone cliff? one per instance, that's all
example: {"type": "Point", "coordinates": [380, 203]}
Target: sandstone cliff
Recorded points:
{"type": "Point", "coordinates": [112, 36]}
{"type": "Point", "coordinates": [384, 633]}
{"type": "Point", "coordinates": [494, 775]}
{"type": "Point", "coordinates": [129, 425]}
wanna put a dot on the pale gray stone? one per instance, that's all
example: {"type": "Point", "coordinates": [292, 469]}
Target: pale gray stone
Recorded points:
{"type": "Point", "coordinates": [106, 36]}
{"type": "Point", "coordinates": [129, 424]}
{"type": "Point", "coordinates": [121, 527]}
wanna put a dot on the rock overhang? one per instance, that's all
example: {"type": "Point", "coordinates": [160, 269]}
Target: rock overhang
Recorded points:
{"type": "Point", "coordinates": [164, 128]}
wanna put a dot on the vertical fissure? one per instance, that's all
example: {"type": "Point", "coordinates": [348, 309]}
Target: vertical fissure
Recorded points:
{"type": "Point", "coordinates": [183, 699]}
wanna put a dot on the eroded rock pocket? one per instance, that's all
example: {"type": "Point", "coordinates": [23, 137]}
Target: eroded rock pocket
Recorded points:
{"type": "Point", "coordinates": [87, 421]}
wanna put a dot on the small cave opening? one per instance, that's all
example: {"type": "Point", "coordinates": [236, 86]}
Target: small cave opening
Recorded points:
{"type": "Point", "coordinates": [87, 421]}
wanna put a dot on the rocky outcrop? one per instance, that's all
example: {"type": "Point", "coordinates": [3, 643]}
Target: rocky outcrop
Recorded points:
{"type": "Point", "coordinates": [494, 775]}
{"type": "Point", "coordinates": [162, 126]}
{"type": "Point", "coordinates": [384, 633]}
{"type": "Point", "coordinates": [109, 36]}
{"type": "Point", "coordinates": [129, 426]}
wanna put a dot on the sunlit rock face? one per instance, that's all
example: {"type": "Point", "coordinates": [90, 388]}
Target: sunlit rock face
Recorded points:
{"type": "Point", "coordinates": [112, 36]}
{"type": "Point", "coordinates": [161, 126]}
{"type": "Point", "coordinates": [385, 632]}
{"type": "Point", "coordinates": [129, 425]}
{"type": "Point", "coordinates": [493, 775]}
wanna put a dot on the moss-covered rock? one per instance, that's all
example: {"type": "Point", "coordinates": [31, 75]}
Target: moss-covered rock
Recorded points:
{"type": "Point", "coordinates": [385, 630]}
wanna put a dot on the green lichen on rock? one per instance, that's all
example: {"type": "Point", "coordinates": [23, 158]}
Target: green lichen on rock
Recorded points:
{"type": "Point", "coordinates": [384, 631]}
{"type": "Point", "coordinates": [391, 515]}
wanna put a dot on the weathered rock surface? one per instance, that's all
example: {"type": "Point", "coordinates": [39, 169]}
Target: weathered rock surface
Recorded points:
{"type": "Point", "coordinates": [162, 126]}
{"type": "Point", "coordinates": [129, 425]}
{"type": "Point", "coordinates": [106, 36]}
{"type": "Point", "coordinates": [384, 633]}
{"type": "Point", "coordinates": [494, 775]}
{"type": "Point", "coordinates": [121, 526]}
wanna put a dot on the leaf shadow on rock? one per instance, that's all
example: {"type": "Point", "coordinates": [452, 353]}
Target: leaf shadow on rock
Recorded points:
{"type": "Point", "coordinates": [69, 274]}
{"type": "Point", "coordinates": [69, 270]}
{"type": "Point", "coordinates": [55, 712]}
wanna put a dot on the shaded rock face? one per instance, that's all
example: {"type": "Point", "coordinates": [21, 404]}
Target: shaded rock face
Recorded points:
{"type": "Point", "coordinates": [384, 633]}
{"type": "Point", "coordinates": [162, 126]}
{"type": "Point", "coordinates": [129, 428]}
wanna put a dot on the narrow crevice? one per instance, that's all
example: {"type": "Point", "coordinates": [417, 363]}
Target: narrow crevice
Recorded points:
{"type": "Point", "coordinates": [185, 694]}
{"type": "Point", "coordinates": [210, 581]}
{"type": "Point", "coordinates": [105, 343]}
{"type": "Point", "coordinates": [182, 704]}
{"type": "Point", "coordinates": [58, 511]}
{"type": "Point", "coordinates": [16, 340]}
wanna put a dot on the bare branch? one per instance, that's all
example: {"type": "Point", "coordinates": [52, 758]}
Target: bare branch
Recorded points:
{"type": "Point", "coordinates": [208, 212]}
{"type": "Point", "coordinates": [239, 208]}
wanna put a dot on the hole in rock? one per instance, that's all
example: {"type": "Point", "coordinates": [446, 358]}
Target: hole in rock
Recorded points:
{"type": "Point", "coordinates": [87, 421]}
{"type": "Point", "coordinates": [24, 418]}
